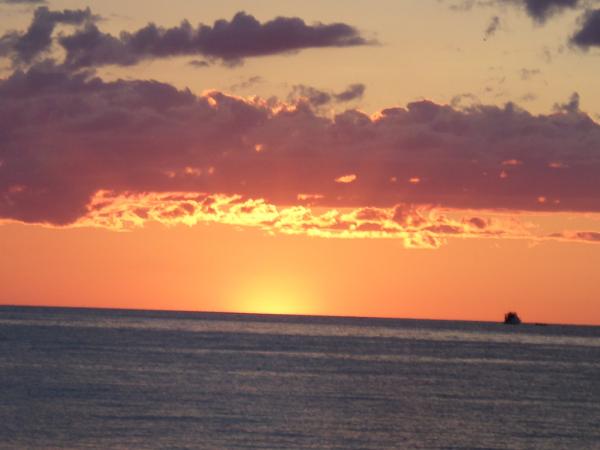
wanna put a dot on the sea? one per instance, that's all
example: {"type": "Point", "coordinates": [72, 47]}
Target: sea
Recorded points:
{"type": "Point", "coordinates": [120, 379]}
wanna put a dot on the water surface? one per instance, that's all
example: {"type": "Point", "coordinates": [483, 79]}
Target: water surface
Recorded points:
{"type": "Point", "coordinates": [83, 378]}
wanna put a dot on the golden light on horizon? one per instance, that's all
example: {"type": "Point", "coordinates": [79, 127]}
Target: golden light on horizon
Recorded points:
{"type": "Point", "coordinates": [274, 294]}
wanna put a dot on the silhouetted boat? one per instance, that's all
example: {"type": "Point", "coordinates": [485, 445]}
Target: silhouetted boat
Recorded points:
{"type": "Point", "coordinates": [511, 318]}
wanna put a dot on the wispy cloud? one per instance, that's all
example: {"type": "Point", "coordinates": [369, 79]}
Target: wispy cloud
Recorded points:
{"type": "Point", "coordinates": [492, 27]}
{"type": "Point", "coordinates": [318, 97]}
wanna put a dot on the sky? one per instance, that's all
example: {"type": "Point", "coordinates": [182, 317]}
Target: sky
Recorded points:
{"type": "Point", "coordinates": [422, 159]}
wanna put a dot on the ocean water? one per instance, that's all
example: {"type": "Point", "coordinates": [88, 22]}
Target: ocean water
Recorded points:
{"type": "Point", "coordinates": [80, 378]}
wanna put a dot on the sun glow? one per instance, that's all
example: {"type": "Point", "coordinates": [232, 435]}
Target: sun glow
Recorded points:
{"type": "Point", "coordinates": [274, 295]}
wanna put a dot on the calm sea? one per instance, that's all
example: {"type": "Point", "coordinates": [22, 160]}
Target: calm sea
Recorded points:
{"type": "Point", "coordinates": [81, 378]}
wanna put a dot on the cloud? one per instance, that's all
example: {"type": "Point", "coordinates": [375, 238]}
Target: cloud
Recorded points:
{"type": "Point", "coordinates": [589, 33]}
{"type": "Point", "coordinates": [317, 97]}
{"type": "Point", "coordinates": [346, 179]}
{"type": "Point", "coordinates": [466, 100]}
{"type": "Point", "coordinates": [313, 96]}
{"type": "Point", "coordinates": [65, 136]}
{"type": "Point", "coordinates": [247, 83]}
{"type": "Point", "coordinates": [539, 10]}
{"type": "Point", "coordinates": [576, 236]}
{"type": "Point", "coordinates": [26, 46]}
{"type": "Point", "coordinates": [228, 41]}
{"type": "Point", "coordinates": [198, 64]}
{"type": "Point", "coordinates": [572, 106]}
{"type": "Point", "coordinates": [352, 92]}
{"type": "Point", "coordinates": [528, 74]}
{"type": "Point", "coordinates": [492, 27]}
{"type": "Point", "coordinates": [414, 227]}
{"type": "Point", "coordinates": [468, 5]}
{"type": "Point", "coordinates": [22, 2]}
{"type": "Point", "coordinates": [593, 236]}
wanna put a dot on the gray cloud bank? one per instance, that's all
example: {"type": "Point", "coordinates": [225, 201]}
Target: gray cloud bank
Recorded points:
{"type": "Point", "coordinates": [228, 41]}
{"type": "Point", "coordinates": [65, 136]}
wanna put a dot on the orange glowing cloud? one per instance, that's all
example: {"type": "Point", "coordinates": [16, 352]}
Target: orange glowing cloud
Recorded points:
{"type": "Point", "coordinates": [346, 179]}
{"type": "Point", "coordinates": [412, 226]}
{"type": "Point", "coordinates": [556, 165]}
{"type": "Point", "coordinates": [512, 162]}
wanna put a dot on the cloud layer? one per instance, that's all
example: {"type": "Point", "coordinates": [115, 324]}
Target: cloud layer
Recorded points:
{"type": "Point", "coordinates": [77, 150]}
{"type": "Point", "coordinates": [414, 227]}
{"type": "Point", "coordinates": [64, 137]}
{"type": "Point", "coordinates": [229, 41]}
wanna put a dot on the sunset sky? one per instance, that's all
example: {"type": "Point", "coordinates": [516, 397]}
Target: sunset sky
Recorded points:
{"type": "Point", "coordinates": [419, 158]}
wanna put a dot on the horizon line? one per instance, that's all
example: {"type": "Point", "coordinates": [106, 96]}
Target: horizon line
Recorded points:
{"type": "Point", "coordinates": [300, 315]}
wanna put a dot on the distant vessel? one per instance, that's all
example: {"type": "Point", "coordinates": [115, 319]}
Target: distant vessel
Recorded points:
{"type": "Point", "coordinates": [511, 318]}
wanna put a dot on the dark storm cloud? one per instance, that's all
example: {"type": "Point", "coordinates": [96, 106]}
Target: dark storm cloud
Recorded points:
{"type": "Point", "coordinates": [64, 137]}
{"type": "Point", "coordinates": [229, 41]}
{"type": "Point", "coordinates": [26, 46]}
{"type": "Point", "coordinates": [589, 33]}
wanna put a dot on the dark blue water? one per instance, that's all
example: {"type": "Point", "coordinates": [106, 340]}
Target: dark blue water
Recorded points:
{"type": "Point", "coordinates": [75, 378]}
